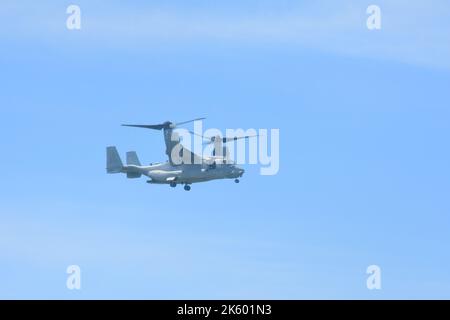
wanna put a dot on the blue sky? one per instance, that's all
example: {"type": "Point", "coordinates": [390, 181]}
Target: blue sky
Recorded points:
{"type": "Point", "coordinates": [364, 160]}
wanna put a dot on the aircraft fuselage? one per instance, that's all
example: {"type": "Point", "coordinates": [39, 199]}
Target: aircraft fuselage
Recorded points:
{"type": "Point", "coordinates": [166, 173]}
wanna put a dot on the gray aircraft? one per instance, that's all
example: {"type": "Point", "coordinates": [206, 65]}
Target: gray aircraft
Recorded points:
{"type": "Point", "coordinates": [198, 169]}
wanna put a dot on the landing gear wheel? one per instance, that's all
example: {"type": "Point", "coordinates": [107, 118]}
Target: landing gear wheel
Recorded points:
{"type": "Point", "coordinates": [173, 184]}
{"type": "Point", "coordinates": [236, 180]}
{"type": "Point", "coordinates": [187, 187]}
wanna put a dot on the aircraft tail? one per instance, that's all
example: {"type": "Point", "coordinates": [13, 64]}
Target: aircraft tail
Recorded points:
{"type": "Point", "coordinates": [113, 162]}
{"type": "Point", "coordinates": [132, 160]}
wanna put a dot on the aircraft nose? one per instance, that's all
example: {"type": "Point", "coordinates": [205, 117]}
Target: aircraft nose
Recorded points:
{"type": "Point", "coordinates": [241, 172]}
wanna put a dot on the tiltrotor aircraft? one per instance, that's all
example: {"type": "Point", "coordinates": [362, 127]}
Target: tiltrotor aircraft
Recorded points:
{"type": "Point", "coordinates": [199, 169]}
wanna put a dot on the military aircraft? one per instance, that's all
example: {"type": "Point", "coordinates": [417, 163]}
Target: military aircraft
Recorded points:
{"type": "Point", "coordinates": [199, 169]}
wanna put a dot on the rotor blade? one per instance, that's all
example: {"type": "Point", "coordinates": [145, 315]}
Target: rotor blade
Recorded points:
{"type": "Point", "coordinates": [184, 122]}
{"type": "Point", "coordinates": [228, 139]}
{"type": "Point", "coordinates": [198, 135]}
{"type": "Point", "coordinates": [146, 126]}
